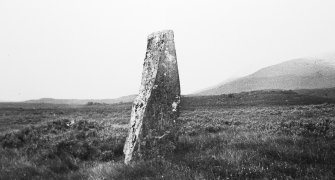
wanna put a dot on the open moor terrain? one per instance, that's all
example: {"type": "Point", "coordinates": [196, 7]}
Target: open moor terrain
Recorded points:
{"type": "Point", "coordinates": [254, 135]}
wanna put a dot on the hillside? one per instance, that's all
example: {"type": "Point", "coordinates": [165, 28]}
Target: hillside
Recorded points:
{"type": "Point", "coordinates": [122, 99]}
{"type": "Point", "coordinates": [326, 92]}
{"type": "Point", "coordinates": [255, 98]}
{"type": "Point", "coordinates": [306, 73]}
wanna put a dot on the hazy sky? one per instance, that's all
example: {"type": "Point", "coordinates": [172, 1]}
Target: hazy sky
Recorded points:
{"type": "Point", "coordinates": [95, 49]}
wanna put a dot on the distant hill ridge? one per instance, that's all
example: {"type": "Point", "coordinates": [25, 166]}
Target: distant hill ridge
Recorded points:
{"type": "Point", "coordinates": [308, 96]}
{"type": "Point", "coordinates": [124, 99]}
{"type": "Point", "coordinates": [303, 73]}
{"type": "Point", "coordinates": [254, 98]}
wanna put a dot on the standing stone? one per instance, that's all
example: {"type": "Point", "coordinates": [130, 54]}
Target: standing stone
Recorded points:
{"type": "Point", "coordinates": [156, 107]}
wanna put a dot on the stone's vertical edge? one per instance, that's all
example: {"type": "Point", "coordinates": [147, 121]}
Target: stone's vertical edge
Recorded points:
{"type": "Point", "coordinates": [157, 106]}
{"type": "Point", "coordinates": [133, 132]}
{"type": "Point", "coordinates": [150, 67]}
{"type": "Point", "coordinates": [140, 104]}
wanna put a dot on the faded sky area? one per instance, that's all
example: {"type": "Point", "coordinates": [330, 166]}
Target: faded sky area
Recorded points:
{"type": "Point", "coordinates": [95, 49]}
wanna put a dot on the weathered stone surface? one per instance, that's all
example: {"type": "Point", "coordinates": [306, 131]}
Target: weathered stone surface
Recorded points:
{"type": "Point", "coordinates": [156, 107]}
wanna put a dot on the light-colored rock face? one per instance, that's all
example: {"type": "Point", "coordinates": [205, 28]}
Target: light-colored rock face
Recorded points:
{"type": "Point", "coordinates": [157, 105]}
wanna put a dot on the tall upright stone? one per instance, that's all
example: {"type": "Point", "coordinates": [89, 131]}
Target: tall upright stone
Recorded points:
{"type": "Point", "coordinates": [156, 107]}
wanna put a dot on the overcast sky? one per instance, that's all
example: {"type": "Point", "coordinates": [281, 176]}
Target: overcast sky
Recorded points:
{"type": "Point", "coordinates": [95, 49]}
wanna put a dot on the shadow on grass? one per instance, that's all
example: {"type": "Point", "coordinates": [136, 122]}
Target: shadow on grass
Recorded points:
{"type": "Point", "coordinates": [157, 168]}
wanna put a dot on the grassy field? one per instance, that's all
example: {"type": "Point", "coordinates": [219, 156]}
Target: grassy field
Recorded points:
{"type": "Point", "coordinates": [256, 135]}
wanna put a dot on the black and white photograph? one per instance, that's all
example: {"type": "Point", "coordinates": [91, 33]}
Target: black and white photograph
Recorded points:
{"type": "Point", "coordinates": [170, 90]}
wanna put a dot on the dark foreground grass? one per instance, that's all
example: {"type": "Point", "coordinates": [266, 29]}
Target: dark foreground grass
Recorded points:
{"type": "Point", "coordinates": [228, 142]}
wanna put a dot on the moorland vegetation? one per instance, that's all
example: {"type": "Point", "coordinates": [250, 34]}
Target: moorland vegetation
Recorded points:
{"type": "Point", "coordinates": [253, 135]}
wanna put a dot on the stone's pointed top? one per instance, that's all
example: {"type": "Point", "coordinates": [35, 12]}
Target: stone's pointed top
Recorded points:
{"type": "Point", "coordinates": [168, 32]}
